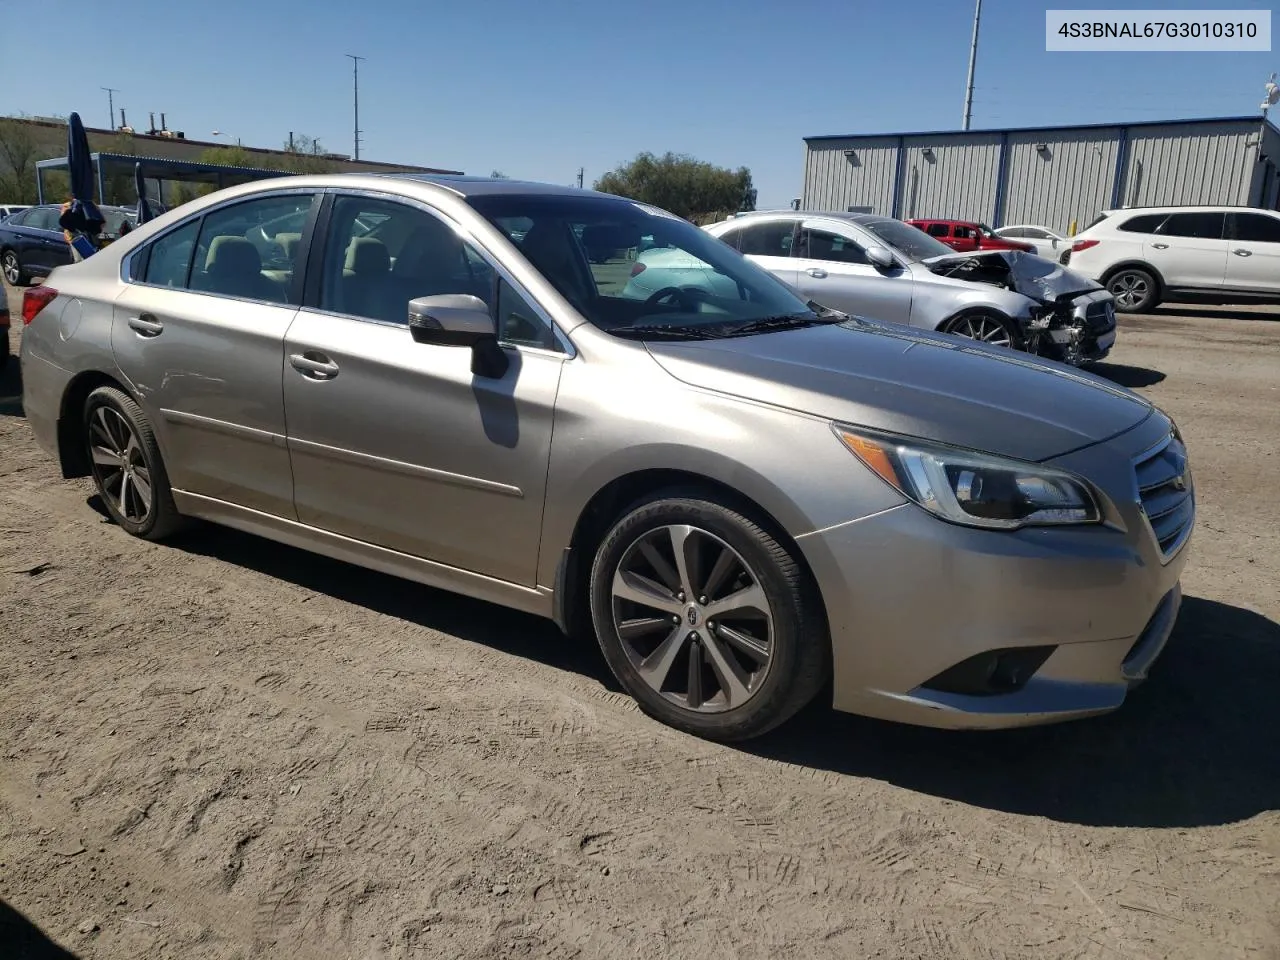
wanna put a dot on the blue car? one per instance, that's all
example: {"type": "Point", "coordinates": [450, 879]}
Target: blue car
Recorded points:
{"type": "Point", "coordinates": [32, 243]}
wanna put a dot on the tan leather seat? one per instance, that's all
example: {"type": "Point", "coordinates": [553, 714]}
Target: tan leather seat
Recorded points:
{"type": "Point", "coordinates": [551, 249]}
{"type": "Point", "coordinates": [233, 268]}
{"type": "Point", "coordinates": [367, 288]}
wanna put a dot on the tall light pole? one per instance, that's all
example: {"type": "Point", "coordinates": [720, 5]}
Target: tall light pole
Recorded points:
{"type": "Point", "coordinates": [223, 133]}
{"type": "Point", "coordinates": [111, 105]}
{"type": "Point", "coordinates": [973, 62]}
{"type": "Point", "coordinates": [355, 79]}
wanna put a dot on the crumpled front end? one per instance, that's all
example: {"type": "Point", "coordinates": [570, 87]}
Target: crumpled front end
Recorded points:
{"type": "Point", "coordinates": [1074, 318]}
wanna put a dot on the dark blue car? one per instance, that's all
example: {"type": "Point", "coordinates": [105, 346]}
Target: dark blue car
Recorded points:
{"type": "Point", "coordinates": [32, 243]}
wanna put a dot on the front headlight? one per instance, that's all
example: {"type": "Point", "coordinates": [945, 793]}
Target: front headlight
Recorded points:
{"type": "Point", "coordinates": [971, 488]}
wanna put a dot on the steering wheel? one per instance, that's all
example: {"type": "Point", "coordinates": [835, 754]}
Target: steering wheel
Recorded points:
{"type": "Point", "coordinates": [686, 295]}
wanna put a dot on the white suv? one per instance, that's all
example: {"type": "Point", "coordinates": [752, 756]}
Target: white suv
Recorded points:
{"type": "Point", "coordinates": [1147, 254]}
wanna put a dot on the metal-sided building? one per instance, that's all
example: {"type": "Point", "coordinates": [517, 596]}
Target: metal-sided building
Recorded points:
{"type": "Point", "coordinates": [1052, 176]}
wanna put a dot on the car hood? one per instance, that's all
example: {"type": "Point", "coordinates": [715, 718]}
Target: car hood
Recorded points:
{"type": "Point", "coordinates": [1030, 275]}
{"type": "Point", "coordinates": [928, 385]}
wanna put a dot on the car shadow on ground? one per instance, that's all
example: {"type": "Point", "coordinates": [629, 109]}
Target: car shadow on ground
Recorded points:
{"type": "Point", "coordinates": [1125, 375]}
{"type": "Point", "coordinates": [1214, 311]}
{"type": "Point", "coordinates": [1196, 745]}
{"type": "Point", "coordinates": [23, 940]}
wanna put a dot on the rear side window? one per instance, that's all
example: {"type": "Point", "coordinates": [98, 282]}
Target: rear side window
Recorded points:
{"type": "Point", "coordinates": [1202, 225]}
{"type": "Point", "coordinates": [169, 259]}
{"type": "Point", "coordinates": [1145, 223]}
{"type": "Point", "coordinates": [1255, 228]}
{"type": "Point", "coordinates": [771, 239]}
{"type": "Point", "coordinates": [937, 229]}
{"type": "Point", "coordinates": [241, 252]}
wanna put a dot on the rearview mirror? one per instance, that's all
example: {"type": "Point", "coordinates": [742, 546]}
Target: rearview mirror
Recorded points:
{"type": "Point", "coordinates": [459, 320]}
{"type": "Point", "coordinates": [880, 258]}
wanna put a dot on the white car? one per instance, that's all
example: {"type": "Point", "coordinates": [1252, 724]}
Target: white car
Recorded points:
{"type": "Point", "coordinates": [1047, 244]}
{"type": "Point", "coordinates": [1145, 255]}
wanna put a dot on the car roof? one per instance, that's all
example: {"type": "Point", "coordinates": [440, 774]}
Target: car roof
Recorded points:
{"type": "Point", "coordinates": [862, 218]}
{"type": "Point", "coordinates": [1176, 208]}
{"type": "Point", "coordinates": [465, 186]}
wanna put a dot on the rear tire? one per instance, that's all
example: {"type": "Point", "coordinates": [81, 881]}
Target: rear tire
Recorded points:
{"type": "Point", "coordinates": [13, 270]}
{"type": "Point", "coordinates": [1135, 290]}
{"type": "Point", "coordinates": [728, 638]}
{"type": "Point", "coordinates": [126, 465]}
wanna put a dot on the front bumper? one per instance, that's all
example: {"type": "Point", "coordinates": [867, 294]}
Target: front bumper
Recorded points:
{"type": "Point", "coordinates": [909, 597]}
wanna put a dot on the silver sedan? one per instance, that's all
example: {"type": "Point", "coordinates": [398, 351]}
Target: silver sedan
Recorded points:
{"type": "Point", "coordinates": [738, 494]}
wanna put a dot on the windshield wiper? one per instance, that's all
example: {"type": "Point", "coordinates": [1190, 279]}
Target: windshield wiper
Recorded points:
{"type": "Point", "coordinates": [663, 331]}
{"type": "Point", "coordinates": [789, 321]}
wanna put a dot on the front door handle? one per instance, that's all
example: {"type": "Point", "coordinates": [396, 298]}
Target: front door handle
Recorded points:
{"type": "Point", "coordinates": [314, 365]}
{"type": "Point", "coordinates": [1161, 246]}
{"type": "Point", "coordinates": [1243, 253]}
{"type": "Point", "coordinates": [146, 325]}
{"type": "Point", "coordinates": [816, 272]}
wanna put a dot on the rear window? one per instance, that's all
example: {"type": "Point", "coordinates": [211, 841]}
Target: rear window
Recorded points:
{"type": "Point", "coordinates": [1202, 225]}
{"type": "Point", "coordinates": [1145, 223]}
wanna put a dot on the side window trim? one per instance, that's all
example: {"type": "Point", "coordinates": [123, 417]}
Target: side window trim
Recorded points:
{"type": "Point", "coordinates": [315, 266]}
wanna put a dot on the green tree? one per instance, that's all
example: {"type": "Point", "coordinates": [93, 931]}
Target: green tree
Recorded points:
{"type": "Point", "coordinates": [688, 187]}
{"type": "Point", "coordinates": [302, 154]}
{"type": "Point", "coordinates": [18, 155]}
{"type": "Point", "coordinates": [498, 175]}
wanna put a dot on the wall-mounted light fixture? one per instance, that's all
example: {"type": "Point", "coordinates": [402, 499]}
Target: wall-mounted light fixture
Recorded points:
{"type": "Point", "coordinates": [1042, 148]}
{"type": "Point", "coordinates": [927, 153]}
{"type": "Point", "coordinates": [851, 155]}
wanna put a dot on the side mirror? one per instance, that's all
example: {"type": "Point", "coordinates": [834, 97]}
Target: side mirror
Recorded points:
{"type": "Point", "coordinates": [881, 259]}
{"type": "Point", "coordinates": [459, 320]}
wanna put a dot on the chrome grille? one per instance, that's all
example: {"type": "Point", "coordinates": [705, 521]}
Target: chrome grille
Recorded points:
{"type": "Point", "coordinates": [1166, 494]}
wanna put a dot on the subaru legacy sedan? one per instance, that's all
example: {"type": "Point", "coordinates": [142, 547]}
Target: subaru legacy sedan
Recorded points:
{"type": "Point", "coordinates": [740, 494]}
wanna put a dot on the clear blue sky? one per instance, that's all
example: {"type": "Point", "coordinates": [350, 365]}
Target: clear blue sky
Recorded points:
{"type": "Point", "coordinates": [539, 89]}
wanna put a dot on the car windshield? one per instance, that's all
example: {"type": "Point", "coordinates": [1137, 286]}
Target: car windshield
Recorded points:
{"type": "Point", "coordinates": [912, 242]}
{"type": "Point", "coordinates": [641, 273]}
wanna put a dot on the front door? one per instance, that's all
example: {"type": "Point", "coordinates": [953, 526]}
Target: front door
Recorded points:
{"type": "Point", "coordinates": [200, 335]}
{"type": "Point", "coordinates": [1253, 258]}
{"type": "Point", "coordinates": [833, 270]}
{"type": "Point", "coordinates": [398, 443]}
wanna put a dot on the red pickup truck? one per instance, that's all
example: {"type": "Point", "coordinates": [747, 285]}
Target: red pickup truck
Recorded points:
{"type": "Point", "coordinates": [967, 236]}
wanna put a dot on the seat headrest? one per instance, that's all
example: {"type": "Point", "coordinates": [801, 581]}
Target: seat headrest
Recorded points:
{"type": "Point", "coordinates": [232, 255]}
{"type": "Point", "coordinates": [366, 255]}
{"type": "Point", "coordinates": [289, 244]}
{"type": "Point", "coordinates": [430, 249]}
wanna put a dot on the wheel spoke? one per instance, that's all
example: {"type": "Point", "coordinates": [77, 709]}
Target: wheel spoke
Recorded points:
{"type": "Point", "coordinates": [726, 671]}
{"type": "Point", "coordinates": [680, 544]}
{"type": "Point", "coordinates": [655, 667]}
{"type": "Point", "coordinates": [748, 598]}
{"type": "Point", "coordinates": [123, 505]}
{"type": "Point", "coordinates": [719, 574]}
{"type": "Point", "coordinates": [694, 694]}
{"type": "Point", "coordinates": [638, 627]}
{"type": "Point", "coordinates": [104, 457]}
{"type": "Point", "coordinates": [642, 590]}
{"type": "Point", "coordinates": [142, 486]}
{"type": "Point", "coordinates": [664, 570]}
{"type": "Point", "coordinates": [753, 648]}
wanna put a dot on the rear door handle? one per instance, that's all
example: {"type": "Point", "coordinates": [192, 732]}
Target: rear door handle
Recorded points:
{"type": "Point", "coordinates": [146, 325]}
{"type": "Point", "coordinates": [1243, 253]}
{"type": "Point", "coordinates": [1161, 246]}
{"type": "Point", "coordinates": [816, 272]}
{"type": "Point", "coordinates": [314, 365]}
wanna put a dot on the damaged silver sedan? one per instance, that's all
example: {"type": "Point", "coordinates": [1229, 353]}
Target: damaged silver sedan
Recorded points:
{"type": "Point", "coordinates": [884, 269]}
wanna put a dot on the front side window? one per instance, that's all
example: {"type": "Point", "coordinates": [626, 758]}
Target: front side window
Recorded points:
{"type": "Point", "coordinates": [962, 232]}
{"type": "Point", "coordinates": [380, 254]}
{"type": "Point", "coordinates": [821, 245]}
{"type": "Point", "coordinates": [911, 243]}
{"type": "Point", "coordinates": [1201, 225]}
{"type": "Point", "coordinates": [683, 282]}
{"type": "Point", "coordinates": [1255, 228]}
{"type": "Point", "coordinates": [239, 253]}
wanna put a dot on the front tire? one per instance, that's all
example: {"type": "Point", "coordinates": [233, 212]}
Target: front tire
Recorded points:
{"type": "Point", "coordinates": [1135, 290]}
{"type": "Point", "coordinates": [126, 465]}
{"type": "Point", "coordinates": [985, 326]}
{"type": "Point", "coordinates": [706, 619]}
{"type": "Point", "coordinates": [13, 270]}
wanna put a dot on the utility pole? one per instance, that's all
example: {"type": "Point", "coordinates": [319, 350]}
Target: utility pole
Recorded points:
{"type": "Point", "coordinates": [581, 171]}
{"type": "Point", "coordinates": [355, 77]}
{"type": "Point", "coordinates": [111, 105]}
{"type": "Point", "coordinates": [973, 62]}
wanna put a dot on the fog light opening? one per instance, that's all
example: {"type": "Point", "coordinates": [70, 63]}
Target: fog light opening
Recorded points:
{"type": "Point", "coordinates": [991, 673]}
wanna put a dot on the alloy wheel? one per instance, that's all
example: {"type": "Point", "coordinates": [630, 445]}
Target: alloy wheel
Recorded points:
{"type": "Point", "coordinates": [12, 269]}
{"type": "Point", "coordinates": [983, 327]}
{"type": "Point", "coordinates": [119, 466]}
{"type": "Point", "coordinates": [1130, 289]}
{"type": "Point", "coordinates": [693, 618]}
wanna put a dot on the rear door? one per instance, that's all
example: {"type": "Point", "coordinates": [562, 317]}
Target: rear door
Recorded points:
{"type": "Point", "coordinates": [833, 270]}
{"type": "Point", "coordinates": [41, 243]}
{"type": "Point", "coordinates": [199, 332]}
{"type": "Point", "coordinates": [1253, 263]}
{"type": "Point", "coordinates": [768, 243]}
{"type": "Point", "coordinates": [1190, 250]}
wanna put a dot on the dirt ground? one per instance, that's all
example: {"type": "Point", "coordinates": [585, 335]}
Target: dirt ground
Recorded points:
{"type": "Point", "coordinates": [223, 748]}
